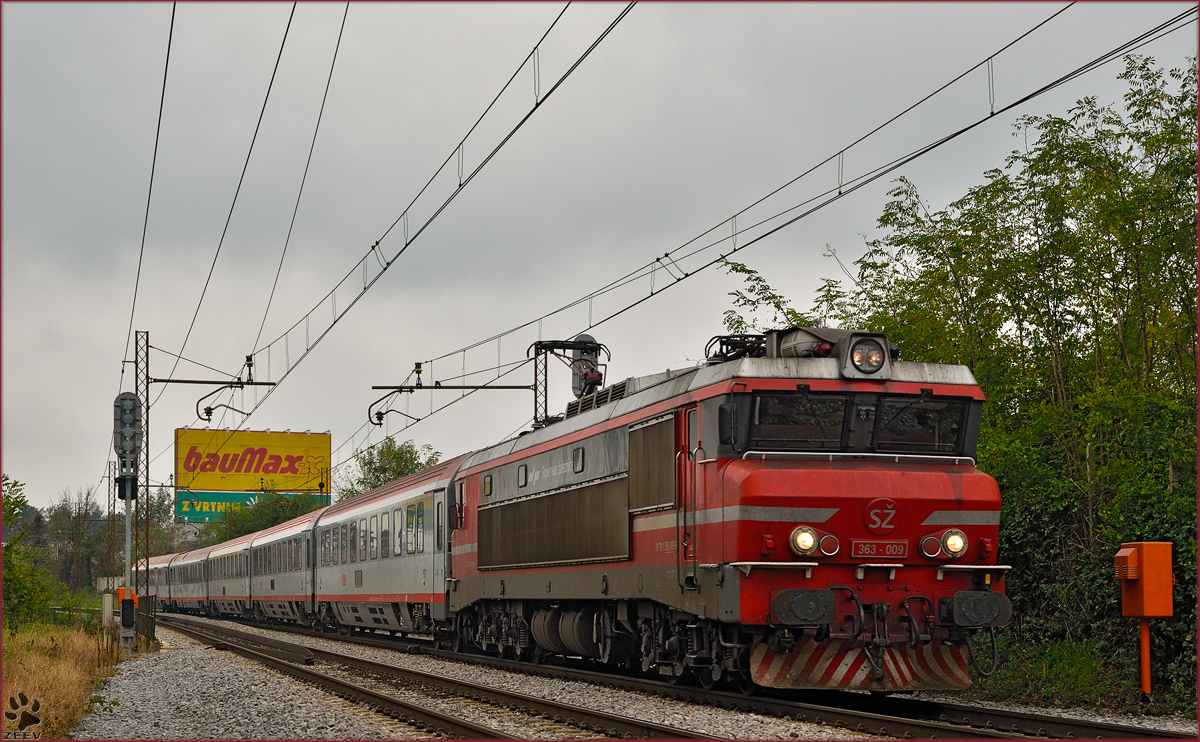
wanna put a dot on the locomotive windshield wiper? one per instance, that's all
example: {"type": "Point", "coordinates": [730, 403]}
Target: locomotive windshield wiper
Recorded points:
{"type": "Point", "coordinates": [925, 394]}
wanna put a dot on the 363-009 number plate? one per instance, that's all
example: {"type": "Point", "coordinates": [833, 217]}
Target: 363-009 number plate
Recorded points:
{"type": "Point", "coordinates": [875, 549]}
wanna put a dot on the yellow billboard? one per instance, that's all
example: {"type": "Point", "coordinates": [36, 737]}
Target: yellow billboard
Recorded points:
{"type": "Point", "coordinates": [250, 460]}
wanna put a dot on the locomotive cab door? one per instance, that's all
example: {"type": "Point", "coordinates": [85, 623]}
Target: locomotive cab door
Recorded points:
{"type": "Point", "coordinates": [690, 451]}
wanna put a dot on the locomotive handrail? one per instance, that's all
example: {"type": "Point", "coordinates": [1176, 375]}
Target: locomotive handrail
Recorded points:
{"type": "Point", "coordinates": [745, 567]}
{"type": "Point", "coordinates": [898, 458]}
{"type": "Point", "coordinates": [969, 567]}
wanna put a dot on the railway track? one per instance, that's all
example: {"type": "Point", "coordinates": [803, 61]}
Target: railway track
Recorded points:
{"type": "Point", "coordinates": [376, 685]}
{"type": "Point", "coordinates": [891, 716]}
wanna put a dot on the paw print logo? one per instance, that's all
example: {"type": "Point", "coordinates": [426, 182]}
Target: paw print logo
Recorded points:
{"type": "Point", "coordinates": [23, 711]}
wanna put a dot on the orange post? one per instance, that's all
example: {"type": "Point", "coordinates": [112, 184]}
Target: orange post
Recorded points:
{"type": "Point", "coordinates": [1145, 655]}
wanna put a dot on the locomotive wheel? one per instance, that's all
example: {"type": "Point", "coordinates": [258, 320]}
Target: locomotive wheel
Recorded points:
{"type": "Point", "coordinates": [745, 684]}
{"type": "Point", "coordinates": [679, 674]}
{"type": "Point", "coordinates": [705, 676]}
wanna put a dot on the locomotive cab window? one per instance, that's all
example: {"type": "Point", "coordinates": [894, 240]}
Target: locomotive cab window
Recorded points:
{"type": "Point", "coordinates": [919, 424]}
{"type": "Point", "coordinates": [798, 421]}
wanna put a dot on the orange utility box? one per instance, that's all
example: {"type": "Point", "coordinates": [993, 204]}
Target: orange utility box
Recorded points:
{"type": "Point", "coordinates": [1147, 582]}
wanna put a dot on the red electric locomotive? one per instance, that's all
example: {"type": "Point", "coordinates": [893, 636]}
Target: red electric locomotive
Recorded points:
{"type": "Point", "coordinates": [803, 511]}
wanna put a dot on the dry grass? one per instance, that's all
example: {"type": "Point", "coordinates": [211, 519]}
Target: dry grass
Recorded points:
{"type": "Point", "coordinates": [59, 666]}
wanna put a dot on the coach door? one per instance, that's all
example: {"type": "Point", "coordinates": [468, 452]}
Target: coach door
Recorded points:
{"type": "Point", "coordinates": [439, 548]}
{"type": "Point", "coordinates": [689, 453]}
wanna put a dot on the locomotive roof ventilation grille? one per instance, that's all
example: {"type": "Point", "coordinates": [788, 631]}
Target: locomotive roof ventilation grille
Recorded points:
{"type": "Point", "coordinates": [598, 398]}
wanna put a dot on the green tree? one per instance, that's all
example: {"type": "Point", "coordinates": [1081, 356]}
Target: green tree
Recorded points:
{"type": "Point", "coordinates": [383, 463]}
{"type": "Point", "coordinates": [758, 298]}
{"type": "Point", "coordinates": [266, 510]}
{"type": "Point", "coordinates": [1067, 282]}
{"type": "Point", "coordinates": [28, 588]}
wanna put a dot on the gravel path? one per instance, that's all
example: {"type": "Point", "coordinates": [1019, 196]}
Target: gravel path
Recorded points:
{"type": "Point", "coordinates": [723, 723]}
{"type": "Point", "coordinates": [189, 691]}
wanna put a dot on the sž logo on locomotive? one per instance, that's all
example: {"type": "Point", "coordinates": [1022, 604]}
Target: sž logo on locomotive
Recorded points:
{"type": "Point", "coordinates": [880, 516]}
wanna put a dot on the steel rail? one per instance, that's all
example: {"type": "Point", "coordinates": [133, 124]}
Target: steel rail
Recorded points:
{"type": "Point", "coordinates": [850, 719]}
{"type": "Point", "coordinates": [584, 718]}
{"type": "Point", "coordinates": [960, 720]}
{"type": "Point", "coordinates": [418, 716]}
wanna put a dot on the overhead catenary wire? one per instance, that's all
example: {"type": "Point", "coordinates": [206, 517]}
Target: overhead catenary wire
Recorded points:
{"type": "Point", "coordinates": [237, 191]}
{"type": "Point", "coordinates": [303, 178]}
{"type": "Point", "coordinates": [369, 283]}
{"type": "Point", "coordinates": [883, 170]}
{"type": "Point", "coordinates": [145, 220]}
{"type": "Point", "coordinates": [639, 272]}
{"type": "Point", "coordinates": [150, 190]}
{"type": "Point", "coordinates": [1170, 26]}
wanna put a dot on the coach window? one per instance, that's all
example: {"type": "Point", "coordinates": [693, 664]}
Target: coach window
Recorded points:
{"type": "Point", "coordinates": [487, 485]}
{"type": "Point", "coordinates": [397, 519]}
{"type": "Point", "coordinates": [439, 526]}
{"type": "Point", "coordinates": [345, 541]}
{"type": "Point", "coordinates": [522, 475]}
{"type": "Point", "coordinates": [577, 460]}
{"type": "Point", "coordinates": [374, 537]}
{"type": "Point", "coordinates": [362, 540]}
{"type": "Point", "coordinates": [325, 547]}
{"type": "Point", "coordinates": [353, 541]}
{"type": "Point", "coordinates": [385, 535]}
{"type": "Point", "coordinates": [299, 552]}
{"type": "Point", "coordinates": [420, 527]}
{"type": "Point", "coordinates": [409, 544]}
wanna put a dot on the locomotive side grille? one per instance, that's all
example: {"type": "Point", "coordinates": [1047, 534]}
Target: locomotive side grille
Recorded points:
{"type": "Point", "coordinates": [598, 398]}
{"type": "Point", "coordinates": [583, 524]}
{"type": "Point", "coordinates": [652, 465]}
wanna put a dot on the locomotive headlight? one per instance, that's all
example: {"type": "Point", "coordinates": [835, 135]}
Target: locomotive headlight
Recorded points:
{"type": "Point", "coordinates": [954, 543]}
{"type": "Point", "coordinates": [867, 355]}
{"type": "Point", "coordinates": [804, 541]}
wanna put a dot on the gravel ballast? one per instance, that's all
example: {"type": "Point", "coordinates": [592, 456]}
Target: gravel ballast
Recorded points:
{"type": "Point", "coordinates": [725, 723]}
{"type": "Point", "coordinates": [190, 691]}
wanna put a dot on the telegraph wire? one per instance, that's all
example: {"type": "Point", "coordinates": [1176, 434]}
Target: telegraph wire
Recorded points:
{"type": "Point", "coordinates": [304, 177]}
{"type": "Point", "coordinates": [855, 184]}
{"type": "Point", "coordinates": [236, 192]}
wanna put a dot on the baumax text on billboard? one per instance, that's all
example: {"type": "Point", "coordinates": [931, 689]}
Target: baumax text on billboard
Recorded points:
{"type": "Point", "coordinates": [245, 460]}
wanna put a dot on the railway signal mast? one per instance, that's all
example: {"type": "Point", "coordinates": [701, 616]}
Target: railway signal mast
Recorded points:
{"type": "Point", "coordinates": [127, 443]}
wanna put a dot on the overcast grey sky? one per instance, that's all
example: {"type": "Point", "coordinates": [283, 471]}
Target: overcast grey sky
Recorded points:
{"type": "Point", "coordinates": [682, 116]}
